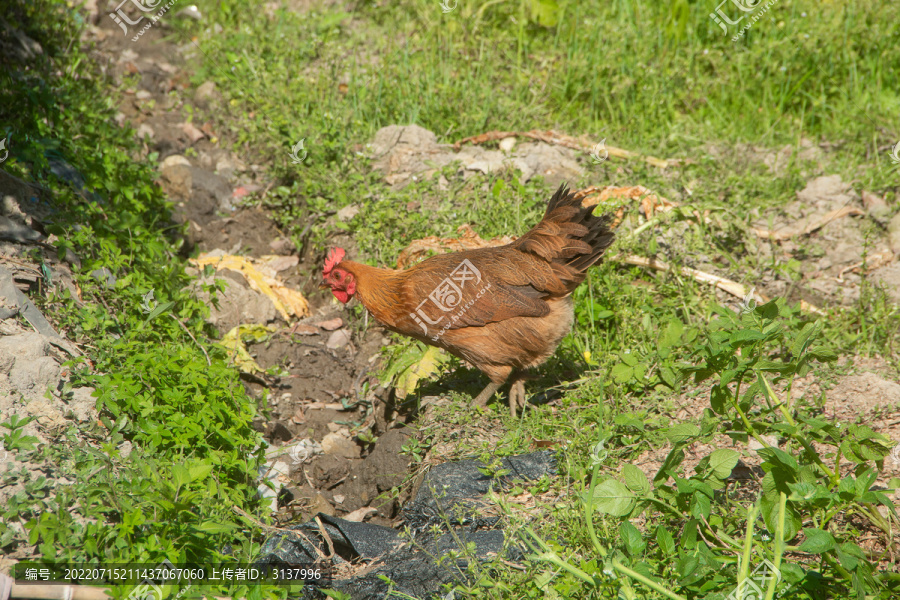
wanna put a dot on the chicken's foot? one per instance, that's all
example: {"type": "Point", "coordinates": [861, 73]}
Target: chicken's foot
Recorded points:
{"type": "Point", "coordinates": [517, 396]}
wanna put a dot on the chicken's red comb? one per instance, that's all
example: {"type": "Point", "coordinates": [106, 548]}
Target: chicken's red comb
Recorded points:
{"type": "Point", "coordinates": [335, 256]}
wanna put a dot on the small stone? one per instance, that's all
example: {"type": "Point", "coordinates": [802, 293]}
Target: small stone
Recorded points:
{"type": "Point", "coordinates": [338, 339]}
{"type": "Point", "coordinates": [348, 212]}
{"type": "Point", "coordinates": [206, 93]}
{"type": "Point", "coordinates": [339, 498]}
{"type": "Point", "coordinates": [894, 233]}
{"type": "Point", "coordinates": [338, 444]}
{"type": "Point", "coordinates": [331, 324]}
{"type": "Point", "coordinates": [173, 160]}
{"type": "Point", "coordinates": [507, 144]}
{"type": "Point", "coordinates": [320, 505]}
{"type": "Point", "coordinates": [143, 95]}
{"type": "Point", "coordinates": [281, 246]}
{"type": "Point", "coordinates": [145, 131]}
{"type": "Point", "coordinates": [876, 207]}
{"type": "Point", "coordinates": [300, 329]}
{"type": "Point", "coordinates": [194, 134]}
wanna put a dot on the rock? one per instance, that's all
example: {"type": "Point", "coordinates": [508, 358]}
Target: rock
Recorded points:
{"type": "Point", "coordinates": [145, 131]}
{"type": "Point", "coordinates": [555, 163]}
{"type": "Point", "coordinates": [338, 339]}
{"type": "Point", "coordinates": [338, 444]}
{"type": "Point", "coordinates": [875, 206]}
{"type": "Point", "coordinates": [143, 95]}
{"type": "Point", "coordinates": [281, 263]}
{"type": "Point", "coordinates": [331, 324]}
{"type": "Point", "coordinates": [894, 233]}
{"type": "Point", "coordinates": [411, 152]}
{"type": "Point", "coordinates": [17, 232]}
{"type": "Point", "coordinates": [82, 404]}
{"type": "Point", "coordinates": [207, 94]}
{"type": "Point", "coordinates": [176, 182]}
{"type": "Point", "coordinates": [236, 304]}
{"type": "Point", "coordinates": [173, 160]}
{"type": "Point", "coordinates": [194, 134]}
{"type": "Point", "coordinates": [348, 212]}
{"type": "Point", "coordinates": [319, 504]}
{"type": "Point", "coordinates": [210, 189]}
{"type": "Point", "coordinates": [507, 144]}
{"type": "Point", "coordinates": [105, 277]}
{"type": "Point", "coordinates": [828, 190]}
{"type": "Point", "coordinates": [281, 246]}
{"type": "Point", "coordinates": [402, 151]}
{"type": "Point", "coordinates": [176, 177]}
{"type": "Point", "coordinates": [125, 449]}
{"type": "Point", "coordinates": [227, 166]}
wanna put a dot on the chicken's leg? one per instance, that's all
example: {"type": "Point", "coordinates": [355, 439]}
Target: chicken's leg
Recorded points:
{"type": "Point", "coordinates": [486, 393]}
{"type": "Point", "coordinates": [517, 395]}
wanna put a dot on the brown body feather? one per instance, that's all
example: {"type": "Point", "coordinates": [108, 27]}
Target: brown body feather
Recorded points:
{"type": "Point", "coordinates": [508, 307]}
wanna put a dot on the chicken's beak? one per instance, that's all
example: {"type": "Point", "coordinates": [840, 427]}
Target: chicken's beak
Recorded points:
{"type": "Point", "coordinates": [324, 286]}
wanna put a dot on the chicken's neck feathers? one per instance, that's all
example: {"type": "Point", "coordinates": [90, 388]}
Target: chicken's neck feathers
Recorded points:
{"type": "Point", "coordinates": [378, 289]}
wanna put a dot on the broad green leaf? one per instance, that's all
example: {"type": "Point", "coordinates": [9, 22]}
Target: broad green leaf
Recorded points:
{"type": "Point", "coordinates": [805, 338]}
{"type": "Point", "coordinates": [622, 373]}
{"type": "Point", "coordinates": [673, 459]}
{"type": "Point", "coordinates": [665, 540]}
{"type": "Point", "coordinates": [682, 432]}
{"type": "Point", "coordinates": [723, 461]}
{"type": "Point", "coordinates": [745, 336]}
{"type": "Point", "coordinates": [631, 536]}
{"type": "Point", "coordinates": [199, 472]}
{"type": "Point", "coordinates": [671, 334]}
{"type": "Point", "coordinates": [613, 498]}
{"type": "Point", "coordinates": [635, 480]}
{"type": "Point", "coordinates": [719, 399]}
{"type": "Point", "coordinates": [160, 309]}
{"type": "Point", "coordinates": [628, 358]}
{"type": "Point", "coordinates": [180, 475]}
{"type": "Point", "coordinates": [211, 527]}
{"type": "Point", "coordinates": [817, 541]}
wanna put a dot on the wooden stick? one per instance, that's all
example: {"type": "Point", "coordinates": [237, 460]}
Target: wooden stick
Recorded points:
{"type": "Point", "coordinates": [560, 139]}
{"type": "Point", "coordinates": [789, 232]}
{"type": "Point", "coordinates": [732, 287]}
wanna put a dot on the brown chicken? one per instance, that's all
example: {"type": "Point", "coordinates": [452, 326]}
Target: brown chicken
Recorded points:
{"type": "Point", "coordinates": [502, 309]}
